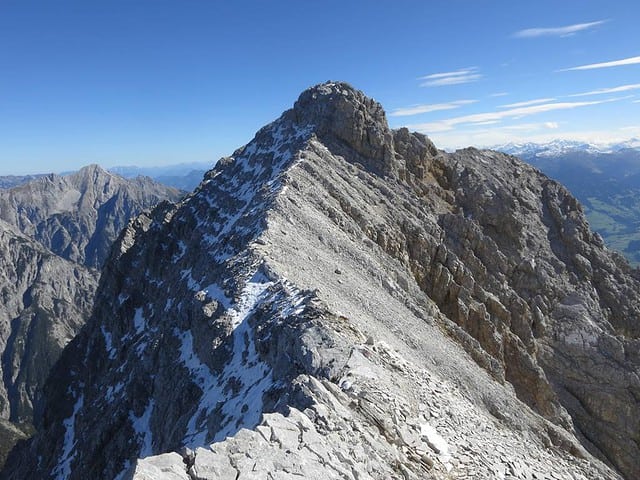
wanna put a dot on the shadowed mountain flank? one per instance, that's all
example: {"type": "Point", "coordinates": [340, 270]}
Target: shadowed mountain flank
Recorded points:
{"type": "Point", "coordinates": [56, 228]}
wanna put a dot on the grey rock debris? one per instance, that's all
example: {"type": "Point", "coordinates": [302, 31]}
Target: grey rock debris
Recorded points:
{"type": "Point", "coordinates": [477, 328]}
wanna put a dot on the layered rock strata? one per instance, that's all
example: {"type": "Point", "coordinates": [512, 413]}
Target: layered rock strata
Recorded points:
{"type": "Point", "coordinates": [58, 227]}
{"type": "Point", "coordinates": [45, 301]}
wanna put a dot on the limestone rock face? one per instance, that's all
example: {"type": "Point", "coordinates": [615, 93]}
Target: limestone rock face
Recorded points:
{"type": "Point", "coordinates": [339, 300]}
{"type": "Point", "coordinates": [45, 301]}
{"type": "Point", "coordinates": [347, 121]}
{"type": "Point", "coordinates": [79, 216]}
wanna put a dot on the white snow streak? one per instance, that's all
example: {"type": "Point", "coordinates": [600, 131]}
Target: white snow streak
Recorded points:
{"type": "Point", "coordinates": [143, 429]}
{"type": "Point", "coordinates": [177, 256]}
{"type": "Point", "coordinates": [242, 406]}
{"type": "Point", "coordinates": [108, 342]}
{"type": "Point", "coordinates": [112, 391]}
{"type": "Point", "coordinates": [63, 469]}
{"type": "Point", "coordinates": [191, 283]}
{"type": "Point", "coordinates": [139, 322]}
{"type": "Point", "coordinates": [216, 293]}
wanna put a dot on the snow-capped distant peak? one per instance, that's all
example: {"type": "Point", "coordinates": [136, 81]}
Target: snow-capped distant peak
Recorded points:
{"type": "Point", "coordinates": [560, 147]}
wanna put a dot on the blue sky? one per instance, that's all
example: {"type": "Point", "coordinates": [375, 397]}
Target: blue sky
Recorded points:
{"type": "Point", "coordinates": [162, 82]}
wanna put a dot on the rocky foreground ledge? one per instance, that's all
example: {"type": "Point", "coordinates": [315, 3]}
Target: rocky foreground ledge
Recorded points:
{"type": "Point", "coordinates": [341, 300]}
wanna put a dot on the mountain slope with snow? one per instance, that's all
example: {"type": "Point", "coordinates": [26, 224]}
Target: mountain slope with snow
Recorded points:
{"type": "Point", "coordinates": [53, 225]}
{"type": "Point", "coordinates": [340, 300]}
{"type": "Point", "coordinates": [562, 147]}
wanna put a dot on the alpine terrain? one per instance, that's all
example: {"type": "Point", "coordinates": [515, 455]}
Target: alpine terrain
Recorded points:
{"type": "Point", "coordinates": [49, 227]}
{"type": "Point", "coordinates": [78, 216]}
{"type": "Point", "coordinates": [10, 181]}
{"type": "Point", "coordinates": [337, 300]}
{"type": "Point", "coordinates": [604, 178]}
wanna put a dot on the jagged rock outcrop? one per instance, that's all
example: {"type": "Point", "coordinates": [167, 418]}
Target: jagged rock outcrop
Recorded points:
{"type": "Point", "coordinates": [45, 301]}
{"type": "Point", "coordinates": [339, 300]}
{"type": "Point", "coordinates": [10, 434]}
{"type": "Point", "coordinates": [78, 216]}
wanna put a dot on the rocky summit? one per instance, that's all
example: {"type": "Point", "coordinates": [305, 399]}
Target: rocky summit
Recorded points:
{"type": "Point", "coordinates": [341, 300]}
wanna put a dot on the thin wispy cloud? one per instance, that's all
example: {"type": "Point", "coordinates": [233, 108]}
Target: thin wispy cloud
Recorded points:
{"type": "Point", "coordinates": [527, 103]}
{"type": "Point", "coordinates": [614, 63]}
{"type": "Point", "coordinates": [499, 94]}
{"type": "Point", "coordinates": [565, 31]}
{"type": "Point", "coordinates": [457, 77]}
{"type": "Point", "coordinates": [529, 127]}
{"type": "Point", "coordinates": [602, 91]}
{"type": "Point", "coordinates": [513, 113]}
{"type": "Point", "coordinates": [436, 107]}
{"type": "Point", "coordinates": [486, 122]}
{"type": "Point", "coordinates": [536, 133]}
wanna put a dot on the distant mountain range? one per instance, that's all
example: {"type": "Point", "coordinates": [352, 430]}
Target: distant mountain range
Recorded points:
{"type": "Point", "coordinates": [184, 176]}
{"type": "Point", "coordinates": [10, 181]}
{"type": "Point", "coordinates": [606, 180]}
{"type": "Point", "coordinates": [561, 147]}
{"type": "Point", "coordinates": [78, 216]}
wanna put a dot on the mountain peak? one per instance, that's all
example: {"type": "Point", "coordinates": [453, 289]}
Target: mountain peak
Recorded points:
{"type": "Point", "coordinates": [345, 119]}
{"type": "Point", "coordinates": [296, 301]}
{"type": "Point", "coordinates": [90, 172]}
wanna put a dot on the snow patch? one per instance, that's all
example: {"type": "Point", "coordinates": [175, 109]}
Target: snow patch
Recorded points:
{"type": "Point", "coordinates": [139, 322]}
{"type": "Point", "coordinates": [63, 468]}
{"type": "Point", "coordinates": [216, 293]}
{"type": "Point", "coordinates": [191, 283]}
{"type": "Point", "coordinates": [240, 406]}
{"type": "Point", "coordinates": [112, 391]}
{"type": "Point", "coordinates": [182, 247]}
{"type": "Point", "coordinates": [142, 428]}
{"type": "Point", "coordinates": [141, 347]}
{"type": "Point", "coordinates": [108, 343]}
{"type": "Point", "coordinates": [169, 304]}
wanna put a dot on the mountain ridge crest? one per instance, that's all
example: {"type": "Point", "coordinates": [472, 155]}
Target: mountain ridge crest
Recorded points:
{"type": "Point", "coordinates": [334, 286]}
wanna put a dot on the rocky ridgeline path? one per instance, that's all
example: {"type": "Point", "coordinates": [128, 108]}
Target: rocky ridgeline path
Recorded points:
{"type": "Point", "coordinates": [365, 426]}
